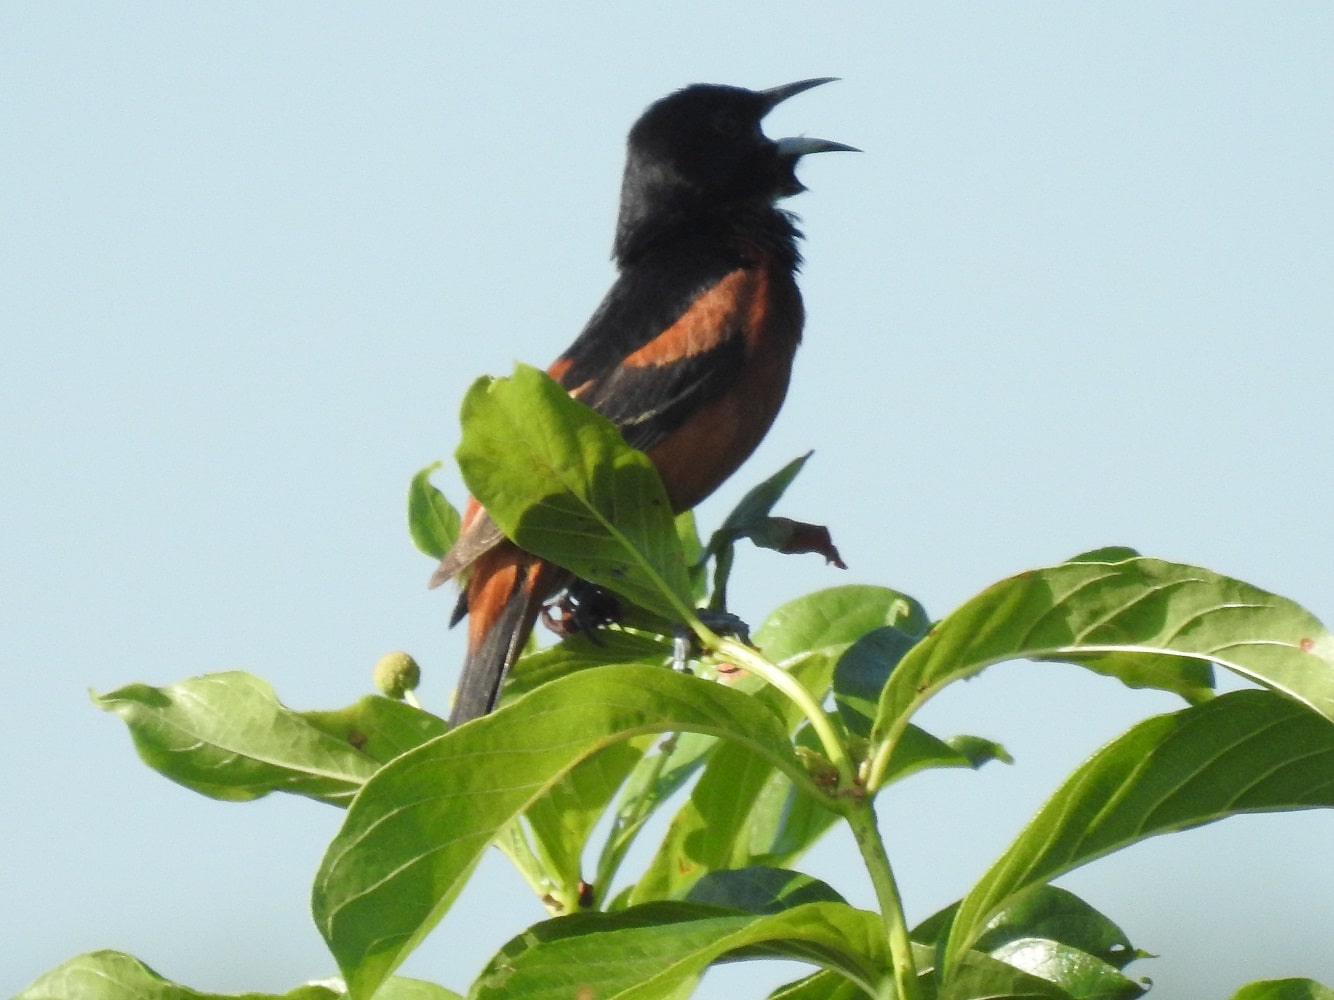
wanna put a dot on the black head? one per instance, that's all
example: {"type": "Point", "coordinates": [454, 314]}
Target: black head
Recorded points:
{"type": "Point", "coordinates": [700, 152]}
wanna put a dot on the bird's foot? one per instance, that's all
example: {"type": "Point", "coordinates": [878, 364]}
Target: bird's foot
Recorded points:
{"type": "Point", "coordinates": [581, 607]}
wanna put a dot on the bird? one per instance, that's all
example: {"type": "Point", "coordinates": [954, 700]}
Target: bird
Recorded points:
{"type": "Point", "coordinates": [689, 353]}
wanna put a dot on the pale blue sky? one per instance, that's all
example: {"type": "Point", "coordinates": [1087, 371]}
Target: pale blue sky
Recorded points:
{"type": "Point", "coordinates": [1077, 291]}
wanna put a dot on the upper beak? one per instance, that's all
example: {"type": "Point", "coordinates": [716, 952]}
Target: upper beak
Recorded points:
{"type": "Point", "coordinates": [775, 96]}
{"type": "Point", "coordinates": [799, 146]}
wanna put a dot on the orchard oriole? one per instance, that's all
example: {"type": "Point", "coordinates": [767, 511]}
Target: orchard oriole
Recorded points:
{"type": "Point", "coordinates": [689, 353]}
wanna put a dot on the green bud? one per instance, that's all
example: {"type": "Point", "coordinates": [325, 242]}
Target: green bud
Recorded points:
{"type": "Point", "coordinates": [396, 674]}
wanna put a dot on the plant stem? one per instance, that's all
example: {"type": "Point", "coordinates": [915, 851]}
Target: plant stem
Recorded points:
{"type": "Point", "coordinates": [757, 664]}
{"type": "Point", "coordinates": [861, 817]}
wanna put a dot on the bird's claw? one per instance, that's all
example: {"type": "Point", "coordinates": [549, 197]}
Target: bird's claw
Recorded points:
{"type": "Point", "coordinates": [581, 607]}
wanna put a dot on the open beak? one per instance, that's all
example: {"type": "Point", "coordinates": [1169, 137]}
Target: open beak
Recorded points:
{"type": "Point", "coordinates": [798, 146]}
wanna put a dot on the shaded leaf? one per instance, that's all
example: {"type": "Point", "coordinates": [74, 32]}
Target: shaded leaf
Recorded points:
{"type": "Point", "coordinates": [646, 951]}
{"type": "Point", "coordinates": [755, 506]}
{"type": "Point", "coordinates": [822, 985]}
{"type": "Point", "coordinates": [414, 834]}
{"type": "Point", "coordinates": [863, 670]}
{"type": "Point", "coordinates": [917, 750]}
{"type": "Point", "coordinates": [560, 480]}
{"type": "Point", "coordinates": [743, 810]}
{"type": "Point", "coordinates": [579, 652]}
{"type": "Point", "coordinates": [562, 819]}
{"type": "Point", "coordinates": [760, 890]}
{"type": "Point", "coordinates": [432, 520]}
{"type": "Point", "coordinates": [653, 781]}
{"type": "Point", "coordinates": [1249, 751]}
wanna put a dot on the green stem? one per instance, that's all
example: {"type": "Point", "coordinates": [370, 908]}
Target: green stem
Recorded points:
{"type": "Point", "coordinates": [757, 664]}
{"type": "Point", "coordinates": [861, 817]}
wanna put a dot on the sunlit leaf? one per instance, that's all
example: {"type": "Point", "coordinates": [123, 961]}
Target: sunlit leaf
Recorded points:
{"type": "Point", "coordinates": [560, 480]}
{"type": "Point", "coordinates": [414, 834]}
{"type": "Point", "coordinates": [1284, 989]}
{"type": "Point", "coordinates": [1147, 622]}
{"type": "Point", "coordinates": [113, 975]}
{"type": "Point", "coordinates": [432, 520]}
{"type": "Point", "coordinates": [227, 736]}
{"type": "Point", "coordinates": [1248, 751]}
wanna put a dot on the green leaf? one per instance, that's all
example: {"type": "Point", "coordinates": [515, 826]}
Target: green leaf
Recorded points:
{"type": "Point", "coordinates": [432, 520]}
{"type": "Point", "coordinates": [1249, 751]}
{"type": "Point", "coordinates": [562, 819]}
{"type": "Point", "coordinates": [380, 728]}
{"type": "Point", "coordinates": [562, 483]}
{"type": "Point", "coordinates": [657, 777]}
{"type": "Point", "coordinates": [1147, 622]}
{"type": "Point", "coordinates": [918, 750]}
{"type": "Point", "coordinates": [1076, 972]}
{"type": "Point", "coordinates": [822, 985]}
{"type": "Point", "coordinates": [755, 506]}
{"type": "Point", "coordinates": [644, 952]}
{"type": "Point", "coordinates": [743, 811]}
{"type": "Point", "coordinates": [582, 651]}
{"type": "Point", "coordinates": [1284, 989]}
{"type": "Point", "coordinates": [414, 834]}
{"type": "Point", "coordinates": [113, 975]}
{"type": "Point", "coordinates": [227, 736]}
{"type": "Point", "coordinates": [760, 890]}
{"type": "Point", "coordinates": [835, 618]}
{"type": "Point", "coordinates": [864, 668]}
{"type": "Point", "coordinates": [981, 977]}
{"type": "Point", "coordinates": [1048, 912]}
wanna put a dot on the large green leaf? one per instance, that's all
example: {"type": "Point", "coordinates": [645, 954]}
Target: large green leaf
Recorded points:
{"type": "Point", "coordinates": [414, 834]}
{"type": "Point", "coordinates": [227, 736]}
{"type": "Point", "coordinates": [1078, 973]}
{"type": "Point", "coordinates": [822, 985]}
{"type": "Point", "coordinates": [1048, 912]}
{"type": "Point", "coordinates": [981, 977]}
{"type": "Point", "coordinates": [562, 819]}
{"type": "Point", "coordinates": [560, 480]}
{"type": "Point", "coordinates": [833, 619]}
{"type": "Point", "coordinates": [582, 651]}
{"type": "Point", "coordinates": [760, 890]}
{"type": "Point", "coordinates": [1249, 751]}
{"type": "Point", "coordinates": [1284, 989]}
{"type": "Point", "coordinates": [1147, 622]}
{"type": "Point", "coordinates": [113, 975]}
{"type": "Point", "coordinates": [646, 952]}
{"type": "Point", "coordinates": [432, 520]}
{"type": "Point", "coordinates": [742, 809]}
{"type": "Point", "coordinates": [653, 781]}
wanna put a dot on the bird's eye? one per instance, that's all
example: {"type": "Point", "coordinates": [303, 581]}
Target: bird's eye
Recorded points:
{"type": "Point", "coordinates": [727, 123]}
